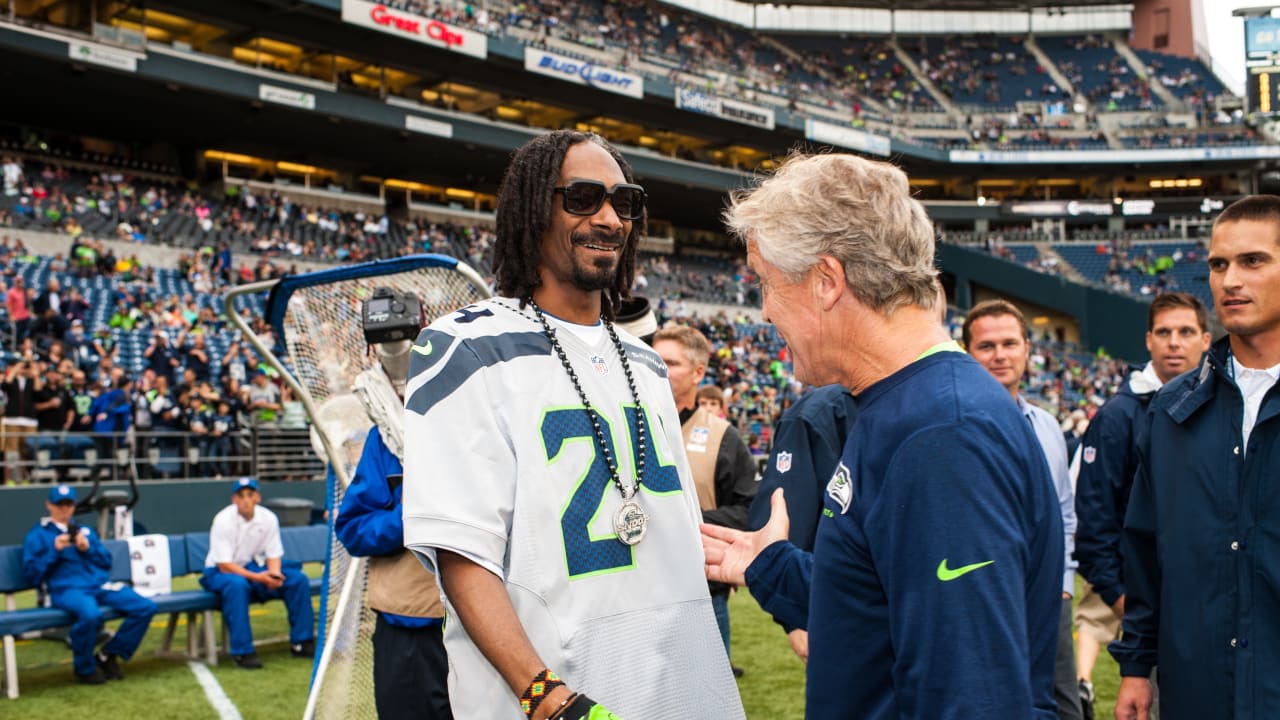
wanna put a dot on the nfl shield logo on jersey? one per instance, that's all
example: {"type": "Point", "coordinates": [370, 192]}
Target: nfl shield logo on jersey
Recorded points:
{"type": "Point", "coordinates": [1090, 454]}
{"type": "Point", "coordinates": [784, 461]}
{"type": "Point", "coordinates": [599, 364]}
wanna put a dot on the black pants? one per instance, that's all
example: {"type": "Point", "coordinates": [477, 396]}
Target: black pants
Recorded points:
{"type": "Point", "coordinates": [410, 672]}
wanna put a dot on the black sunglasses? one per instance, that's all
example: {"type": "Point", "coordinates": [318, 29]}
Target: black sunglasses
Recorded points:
{"type": "Point", "coordinates": [586, 197]}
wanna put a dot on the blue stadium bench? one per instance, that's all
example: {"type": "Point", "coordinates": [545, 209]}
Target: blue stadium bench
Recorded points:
{"type": "Point", "coordinates": [186, 556]}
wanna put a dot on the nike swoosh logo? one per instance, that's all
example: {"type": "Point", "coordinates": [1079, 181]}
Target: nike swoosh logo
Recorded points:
{"type": "Point", "coordinates": [423, 349]}
{"type": "Point", "coordinates": [946, 575]}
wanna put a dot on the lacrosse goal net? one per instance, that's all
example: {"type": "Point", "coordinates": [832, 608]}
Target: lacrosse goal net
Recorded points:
{"type": "Point", "coordinates": [315, 322]}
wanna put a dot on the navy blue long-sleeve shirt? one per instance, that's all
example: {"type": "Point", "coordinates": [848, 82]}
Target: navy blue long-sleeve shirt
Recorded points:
{"type": "Point", "coordinates": [934, 588]}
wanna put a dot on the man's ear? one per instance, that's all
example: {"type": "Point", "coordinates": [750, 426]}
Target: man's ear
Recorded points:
{"type": "Point", "coordinates": [828, 283]}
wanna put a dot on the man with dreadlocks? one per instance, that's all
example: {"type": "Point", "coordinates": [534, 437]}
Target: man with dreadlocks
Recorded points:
{"type": "Point", "coordinates": [545, 481]}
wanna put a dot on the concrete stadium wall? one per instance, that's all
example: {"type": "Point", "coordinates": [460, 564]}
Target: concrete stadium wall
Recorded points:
{"type": "Point", "coordinates": [178, 506]}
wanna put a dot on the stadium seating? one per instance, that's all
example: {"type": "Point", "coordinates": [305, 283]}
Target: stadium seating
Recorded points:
{"type": "Point", "coordinates": [1140, 270]}
{"type": "Point", "coordinates": [864, 67]}
{"type": "Point", "coordinates": [309, 544]}
{"type": "Point", "coordinates": [1187, 79]}
{"type": "Point", "coordinates": [1097, 71]}
{"type": "Point", "coordinates": [1163, 138]}
{"type": "Point", "coordinates": [988, 72]}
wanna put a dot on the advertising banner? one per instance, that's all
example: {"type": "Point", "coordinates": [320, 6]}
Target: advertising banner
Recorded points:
{"type": "Point", "coordinates": [104, 55]}
{"type": "Point", "coordinates": [724, 108]}
{"type": "Point", "coordinates": [583, 72]}
{"type": "Point", "coordinates": [418, 28]}
{"type": "Point", "coordinates": [846, 137]}
{"type": "Point", "coordinates": [286, 96]}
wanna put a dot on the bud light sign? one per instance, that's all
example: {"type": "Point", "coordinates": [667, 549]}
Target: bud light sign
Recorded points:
{"type": "Point", "coordinates": [583, 72]}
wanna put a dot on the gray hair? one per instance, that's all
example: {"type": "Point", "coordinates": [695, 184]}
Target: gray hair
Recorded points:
{"type": "Point", "coordinates": [858, 211]}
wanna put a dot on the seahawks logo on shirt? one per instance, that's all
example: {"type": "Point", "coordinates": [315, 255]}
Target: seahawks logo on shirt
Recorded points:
{"type": "Point", "coordinates": [841, 488]}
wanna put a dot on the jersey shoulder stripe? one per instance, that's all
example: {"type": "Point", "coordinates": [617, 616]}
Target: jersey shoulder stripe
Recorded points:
{"type": "Point", "coordinates": [646, 357]}
{"type": "Point", "coordinates": [472, 355]}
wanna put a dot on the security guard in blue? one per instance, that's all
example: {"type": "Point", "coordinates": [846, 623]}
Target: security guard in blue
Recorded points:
{"type": "Point", "coordinates": [71, 562]}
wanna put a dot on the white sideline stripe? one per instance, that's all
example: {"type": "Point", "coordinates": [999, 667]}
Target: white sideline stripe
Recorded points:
{"type": "Point", "coordinates": [217, 698]}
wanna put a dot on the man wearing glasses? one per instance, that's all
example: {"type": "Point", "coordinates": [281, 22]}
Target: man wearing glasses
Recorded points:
{"type": "Point", "coordinates": [564, 525]}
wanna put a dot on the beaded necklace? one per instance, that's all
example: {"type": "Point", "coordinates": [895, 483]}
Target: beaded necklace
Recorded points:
{"type": "Point", "coordinates": [630, 521]}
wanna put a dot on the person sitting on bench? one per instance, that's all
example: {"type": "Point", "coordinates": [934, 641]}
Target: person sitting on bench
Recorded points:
{"type": "Point", "coordinates": [246, 562]}
{"type": "Point", "coordinates": [75, 567]}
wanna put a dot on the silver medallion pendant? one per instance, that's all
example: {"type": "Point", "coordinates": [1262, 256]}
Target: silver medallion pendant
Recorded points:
{"type": "Point", "coordinates": [630, 522]}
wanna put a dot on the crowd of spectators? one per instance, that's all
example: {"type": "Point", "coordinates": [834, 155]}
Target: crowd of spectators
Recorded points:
{"type": "Point", "coordinates": [183, 391]}
{"type": "Point", "coordinates": [991, 70]}
{"type": "Point", "coordinates": [271, 225]}
{"type": "Point", "coordinates": [1106, 78]}
{"type": "Point", "coordinates": [690, 49]}
{"type": "Point", "coordinates": [1166, 139]}
{"type": "Point", "coordinates": [180, 390]}
{"type": "Point", "coordinates": [973, 67]}
{"type": "Point", "coordinates": [1154, 270]}
{"type": "Point", "coordinates": [65, 373]}
{"type": "Point", "coordinates": [710, 280]}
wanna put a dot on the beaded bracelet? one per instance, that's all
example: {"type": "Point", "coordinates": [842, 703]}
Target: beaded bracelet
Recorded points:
{"type": "Point", "coordinates": [541, 686]}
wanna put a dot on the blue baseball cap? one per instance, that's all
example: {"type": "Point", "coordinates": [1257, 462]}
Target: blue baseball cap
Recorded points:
{"type": "Point", "coordinates": [62, 493]}
{"type": "Point", "coordinates": [242, 483]}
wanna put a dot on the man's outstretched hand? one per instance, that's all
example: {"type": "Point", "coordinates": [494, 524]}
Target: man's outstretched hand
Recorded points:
{"type": "Point", "coordinates": [729, 552]}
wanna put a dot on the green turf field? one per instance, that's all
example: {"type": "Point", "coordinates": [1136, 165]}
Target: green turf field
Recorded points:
{"type": "Point", "coordinates": [157, 688]}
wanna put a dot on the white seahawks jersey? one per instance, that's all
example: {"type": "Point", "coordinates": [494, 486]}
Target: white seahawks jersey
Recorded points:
{"type": "Point", "coordinates": [502, 466]}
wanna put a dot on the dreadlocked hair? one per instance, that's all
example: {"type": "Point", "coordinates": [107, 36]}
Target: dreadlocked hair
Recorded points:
{"type": "Point", "coordinates": [525, 204]}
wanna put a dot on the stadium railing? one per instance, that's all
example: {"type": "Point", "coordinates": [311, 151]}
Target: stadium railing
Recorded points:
{"type": "Point", "coordinates": [308, 544]}
{"type": "Point", "coordinates": [263, 452]}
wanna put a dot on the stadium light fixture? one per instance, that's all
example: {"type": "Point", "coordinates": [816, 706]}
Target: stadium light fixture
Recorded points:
{"type": "Point", "coordinates": [296, 168]}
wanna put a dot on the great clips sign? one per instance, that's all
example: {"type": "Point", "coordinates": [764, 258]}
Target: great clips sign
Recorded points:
{"type": "Point", "coordinates": [583, 72]}
{"type": "Point", "coordinates": [414, 27]}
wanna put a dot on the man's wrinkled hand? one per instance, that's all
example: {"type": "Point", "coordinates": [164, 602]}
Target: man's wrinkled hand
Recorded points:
{"type": "Point", "coordinates": [1133, 701]}
{"type": "Point", "coordinates": [728, 552]}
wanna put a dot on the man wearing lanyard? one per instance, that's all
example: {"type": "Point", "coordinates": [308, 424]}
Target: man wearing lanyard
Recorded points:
{"type": "Point", "coordinates": [1202, 578]}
